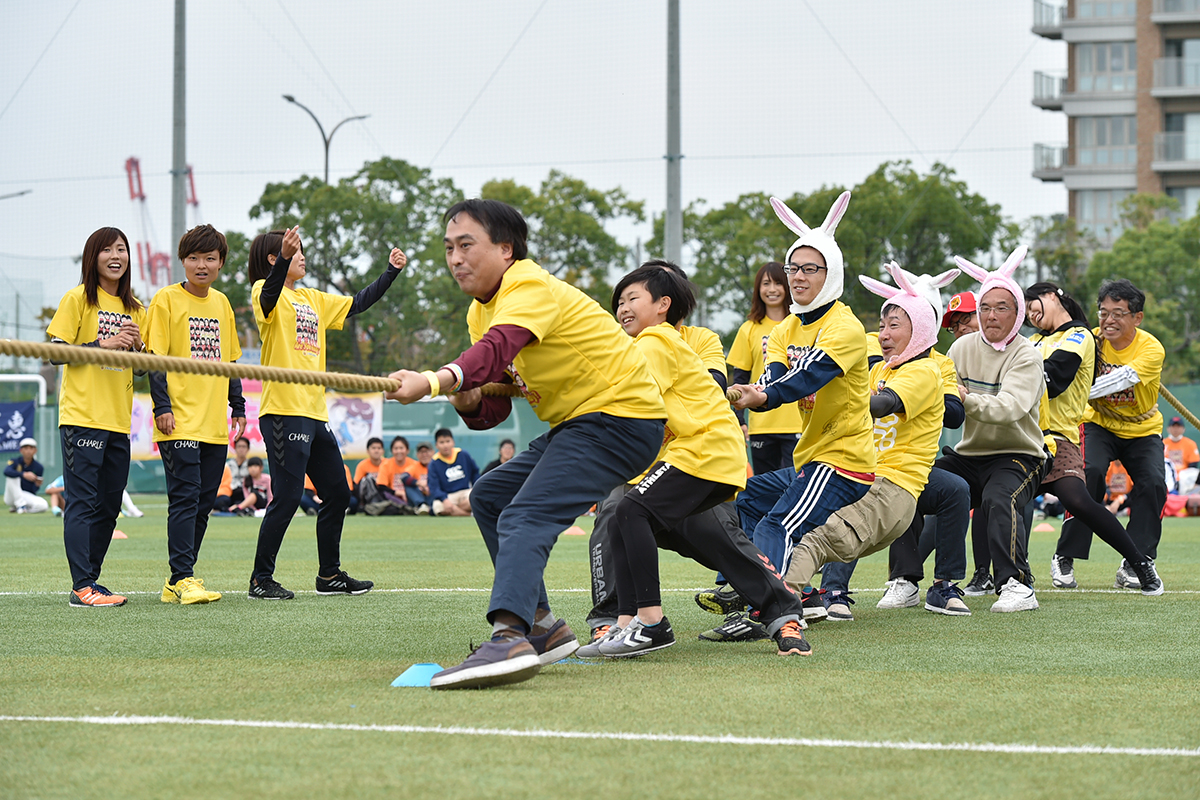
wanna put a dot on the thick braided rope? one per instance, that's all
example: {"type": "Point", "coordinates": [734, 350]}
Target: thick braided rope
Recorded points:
{"type": "Point", "coordinates": [1173, 400]}
{"type": "Point", "coordinates": [148, 362]}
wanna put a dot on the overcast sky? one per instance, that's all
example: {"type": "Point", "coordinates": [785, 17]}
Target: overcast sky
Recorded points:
{"type": "Point", "coordinates": [776, 97]}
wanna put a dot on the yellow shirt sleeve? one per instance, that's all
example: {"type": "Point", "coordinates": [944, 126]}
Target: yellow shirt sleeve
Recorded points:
{"type": "Point", "coordinates": [741, 355]}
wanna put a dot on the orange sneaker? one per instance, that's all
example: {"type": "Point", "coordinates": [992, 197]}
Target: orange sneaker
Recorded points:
{"type": "Point", "coordinates": [95, 596]}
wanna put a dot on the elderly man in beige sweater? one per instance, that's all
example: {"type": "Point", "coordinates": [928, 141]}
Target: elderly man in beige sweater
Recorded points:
{"type": "Point", "coordinates": [1002, 455]}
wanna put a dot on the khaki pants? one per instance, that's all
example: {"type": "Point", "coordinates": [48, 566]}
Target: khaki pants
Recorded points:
{"type": "Point", "coordinates": [857, 530]}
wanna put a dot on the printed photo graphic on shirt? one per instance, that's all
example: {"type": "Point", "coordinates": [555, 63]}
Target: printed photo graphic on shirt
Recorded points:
{"type": "Point", "coordinates": [306, 329]}
{"type": "Point", "coordinates": [765, 339]}
{"type": "Point", "coordinates": [108, 324]}
{"type": "Point", "coordinates": [1125, 397]}
{"type": "Point", "coordinates": [796, 354]}
{"type": "Point", "coordinates": [533, 397]}
{"type": "Point", "coordinates": [204, 337]}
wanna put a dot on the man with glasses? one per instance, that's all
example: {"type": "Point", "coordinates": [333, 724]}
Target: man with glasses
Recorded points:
{"type": "Point", "coordinates": [960, 317]}
{"type": "Point", "coordinates": [1001, 455]}
{"type": "Point", "coordinates": [1124, 423]}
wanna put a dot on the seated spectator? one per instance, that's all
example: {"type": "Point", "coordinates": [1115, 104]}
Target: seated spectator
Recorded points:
{"type": "Point", "coordinates": [224, 493]}
{"type": "Point", "coordinates": [452, 473]}
{"type": "Point", "coordinates": [370, 464]}
{"type": "Point", "coordinates": [256, 490]}
{"type": "Point", "coordinates": [56, 494]}
{"type": "Point", "coordinates": [22, 479]}
{"type": "Point", "coordinates": [397, 479]}
{"type": "Point", "coordinates": [1181, 450]}
{"type": "Point", "coordinates": [507, 451]}
{"type": "Point", "coordinates": [311, 503]}
{"type": "Point", "coordinates": [424, 458]}
{"type": "Point", "coordinates": [237, 465]}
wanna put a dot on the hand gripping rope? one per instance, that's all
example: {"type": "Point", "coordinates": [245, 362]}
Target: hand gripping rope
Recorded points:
{"type": "Point", "coordinates": [146, 362]}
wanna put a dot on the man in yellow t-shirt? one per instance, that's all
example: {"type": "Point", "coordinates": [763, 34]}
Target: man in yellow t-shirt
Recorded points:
{"type": "Point", "coordinates": [581, 374]}
{"type": "Point", "coordinates": [1124, 423]}
{"type": "Point", "coordinates": [193, 320]}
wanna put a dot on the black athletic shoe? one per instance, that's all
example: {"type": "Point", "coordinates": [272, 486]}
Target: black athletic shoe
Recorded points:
{"type": "Point", "coordinates": [342, 584]}
{"type": "Point", "coordinates": [813, 601]}
{"type": "Point", "coordinates": [791, 641]}
{"type": "Point", "coordinates": [736, 628]}
{"type": "Point", "coordinates": [1147, 575]}
{"type": "Point", "coordinates": [639, 639]}
{"type": "Point", "coordinates": [981, 584]}
{"type": "Point", "coordinates": [267, 589]}
{"type": "Point", "coordinates": [721, 600]}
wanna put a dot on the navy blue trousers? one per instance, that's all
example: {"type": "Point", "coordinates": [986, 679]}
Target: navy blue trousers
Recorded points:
{"type": "Point", "coordinates": [193, 471]}
{"type": "Point", "coordinates": [95, 471]}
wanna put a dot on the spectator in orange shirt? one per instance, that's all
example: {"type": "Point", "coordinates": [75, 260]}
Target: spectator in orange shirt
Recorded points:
{"type": "Point", "coordinates": [397, 478]}
{"type": "Point", "coordinates": [424, 457]}
{"type": "Point", "coordinates": [370, 464]}
{"type": "Point", "coordinates": [1179, 449]}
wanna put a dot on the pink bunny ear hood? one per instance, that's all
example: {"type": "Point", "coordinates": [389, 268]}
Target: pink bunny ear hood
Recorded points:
{"type": "Point", "coordinates": [820, 239]}
{"type": "Point", "coordinates": [919, 309]}
{"type": "Point", "coordinates": [999, 279]}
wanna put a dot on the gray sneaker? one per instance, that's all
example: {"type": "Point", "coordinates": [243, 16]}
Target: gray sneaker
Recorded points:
{"type": "Point", "coordinates": [600, 636]}
{"type": "Point", "coordinates": [639, 639]}
{"type": "Point", "coordinates": [493, 663]}
{"type": "Point", "coordinates": [1126, 578]}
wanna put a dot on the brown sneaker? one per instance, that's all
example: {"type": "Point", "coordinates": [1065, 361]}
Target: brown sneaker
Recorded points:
{"type": "Point", "coordinates": [553, 643]}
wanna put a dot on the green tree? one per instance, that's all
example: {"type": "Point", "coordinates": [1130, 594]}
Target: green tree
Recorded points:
{"type": "Point", "coordinates": [1060, 252]}
{"type": "Point", "coordinates": [567, 234]}
{"type": "Point", "coordinates": [349, 229]}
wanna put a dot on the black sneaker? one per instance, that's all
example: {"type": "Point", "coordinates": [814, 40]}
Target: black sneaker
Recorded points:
{"type": "Point", "coordinates": [736, 628]}
{"type": "Point", "coordinates": [813, 601]}
{"type": "Point", "coordinates": [1147, 575]}
{"type": "Point", "coordinates": [267, 589]}
{"type": "Point", "coordinates": [342, 584]}
{"type": "Point", "coordinates": [981, 584]}
{"type": "Point", "coordinates": [639, 639]}
{"type": "Point", "coordinates": [791, 641]}
{"type": "Point", "coordinates": [494, 663]}
{"type": "Point", "coordinates": [721, 600]}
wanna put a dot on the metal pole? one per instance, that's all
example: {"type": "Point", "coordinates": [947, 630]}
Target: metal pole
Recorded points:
{"type": "Point", "coordinates": [326, 139]}
{"type": "Point", "coordinates": [179, 146]}
{"type": "Point", "coordinates": [674, 219]}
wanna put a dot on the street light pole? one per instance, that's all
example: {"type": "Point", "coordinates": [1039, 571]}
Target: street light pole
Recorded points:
{"type": "Point", "coordinates": [321, 128]}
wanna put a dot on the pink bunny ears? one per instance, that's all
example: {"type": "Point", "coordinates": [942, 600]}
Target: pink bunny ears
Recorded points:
{"type": "Point", "coordinates": [820, 239]}
{"type": "Point", "coordinates": [912, 293]}
{"type": "Point", "coordinates": [999, 279]}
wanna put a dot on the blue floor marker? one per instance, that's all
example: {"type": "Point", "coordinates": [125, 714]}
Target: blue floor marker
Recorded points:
{"type": "Point", "coordinates": [417, 675]}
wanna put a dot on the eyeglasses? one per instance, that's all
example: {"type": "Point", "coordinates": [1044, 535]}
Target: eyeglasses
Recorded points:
{"type": "Point", "coordinates": [962, 322]}
{"type": "Point", "coordinates": [807, 269]}
{"type": "Point", "coordinates": [986, 310]}
{"type": "Point", "coordinates": [1115, 316]}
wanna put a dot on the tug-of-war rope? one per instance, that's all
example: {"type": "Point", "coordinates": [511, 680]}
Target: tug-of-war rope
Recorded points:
{"type": "Point", "coordinates": [147, 362]}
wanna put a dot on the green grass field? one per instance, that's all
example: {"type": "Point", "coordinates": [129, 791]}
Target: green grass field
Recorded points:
{"type": "Point", "coordinates": [1092, 668]}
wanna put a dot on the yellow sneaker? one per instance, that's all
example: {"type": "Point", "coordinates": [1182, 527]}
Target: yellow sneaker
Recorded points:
{"type": "Point", "coordinates": [191, 591]}
{"type": "Point", "coordinates": [212, 596]}
{"type": "Point", "coordinates": [170, 593]}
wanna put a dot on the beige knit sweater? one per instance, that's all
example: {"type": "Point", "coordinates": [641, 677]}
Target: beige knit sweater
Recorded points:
{"type": "Point", "coordinates": [1004, 391]}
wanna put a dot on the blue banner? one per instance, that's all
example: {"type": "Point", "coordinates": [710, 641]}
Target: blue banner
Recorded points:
{"type": "Point", "coordinates": [16, 423]}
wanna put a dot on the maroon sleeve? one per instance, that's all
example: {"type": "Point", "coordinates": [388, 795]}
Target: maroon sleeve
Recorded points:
{"type": "Point", "coordinates": [486, 360]}
{"type": "Point", "coordinates": [491, 412]}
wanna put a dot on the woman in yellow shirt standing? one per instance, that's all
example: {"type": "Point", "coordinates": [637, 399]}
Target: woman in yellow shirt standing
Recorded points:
{"type": "Point", "coordinates": [772, 433]}
{"type": "Point", "coordinates": [294, 418]}
{"type": "Point", "coordinates": [94, 409]}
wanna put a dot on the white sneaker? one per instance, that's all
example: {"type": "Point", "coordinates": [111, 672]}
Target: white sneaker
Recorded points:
{"type": "Point", "coordinates": [1062, 572]}
{"type": "Point", "coordinates": [1126, 578]}
{"type": "Point", "coordinates": [900, 593]}
{"type": "Point", "coordinates": [1015, 596]}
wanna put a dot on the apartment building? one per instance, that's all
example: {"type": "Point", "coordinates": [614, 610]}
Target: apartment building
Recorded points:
{"type": "Point", "coordinates": [1131, 95]}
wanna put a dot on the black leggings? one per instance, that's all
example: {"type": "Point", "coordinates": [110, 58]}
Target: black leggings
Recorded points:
{"type": "Point", "coordinates": [1074, 496]}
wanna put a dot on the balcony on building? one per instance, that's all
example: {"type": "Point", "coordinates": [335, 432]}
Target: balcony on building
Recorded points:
{"type": "Point", "coordinates": [1048, 90]}
{"type": "Point", "coordinates": [1176, 77]}
{"type": "Point", "coordinates": [1176, 152]}
{"type": "Point", "coordinates": [1049, 161]}
{"type": "Point", "coordinates": [1047, 19]}
{"type": "Point", "coordinates": [1165, 12]}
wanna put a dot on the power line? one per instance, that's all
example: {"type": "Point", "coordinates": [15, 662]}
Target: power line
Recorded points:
{"type": "Point", "coordinates": [39, 58]}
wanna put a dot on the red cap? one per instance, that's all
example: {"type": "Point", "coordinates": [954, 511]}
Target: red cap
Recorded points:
{"type": "Point", "coordinates": [963, 301]}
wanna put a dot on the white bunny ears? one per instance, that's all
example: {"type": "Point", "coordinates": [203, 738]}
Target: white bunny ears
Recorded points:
{"type": "Point", "coordinates": [999, 279]}
{"type": "Point", "coordinates": [820, 239]}
{"type": "Point", "coordinates": [912, 293]}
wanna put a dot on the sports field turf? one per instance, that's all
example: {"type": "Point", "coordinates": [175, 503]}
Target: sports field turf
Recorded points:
{"type": "Point", "coordinates": [1093, 668]}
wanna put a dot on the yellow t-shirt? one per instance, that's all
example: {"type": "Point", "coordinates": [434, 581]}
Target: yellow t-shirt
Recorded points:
{"type": "Point", "coordinates": [836, 420]}
{"type": "Point", "coordinates": [749, 352]}
{"type": "Point", "coordinates": [1145, 354]}
{"type": "Point", "coordinates": [1061, 415]}
{"type": "Point", "coordinates": [706, 344]}
{"type": "Point", "coordinates": [201, 328]}
{"type": "Point", "coordinates": [92, 396]}
{"type": "Point", "coordinates": [906, 445]}
{"type": "Point", "coordinates": [948, 372]}
{"type": "Point", "coordinates": [293, 337]}
{"type": "Point", "coordinates": [702, 437]}
{"type": "Point", "coordinates": [873, 348]}
{"type": "Point", "coordinates": [582, 362]}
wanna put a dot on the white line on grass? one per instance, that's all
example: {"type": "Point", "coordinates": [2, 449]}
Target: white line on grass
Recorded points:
{"type": "Point", "coordinates": [974, 747]}
{"type": "Point", "coordinates": [464, 589]}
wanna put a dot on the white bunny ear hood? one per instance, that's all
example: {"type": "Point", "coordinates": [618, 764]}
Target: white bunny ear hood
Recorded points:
{"type": "Point", "coordinates": [911, 294]}
{"type": "Point", "coordinates": [999, 279]}
{"type": "Point", "coordinates": [820, 239]}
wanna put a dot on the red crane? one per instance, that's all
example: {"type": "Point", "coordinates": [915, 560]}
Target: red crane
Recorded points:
{"type": "Point", "coordinates": [153, 267]}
